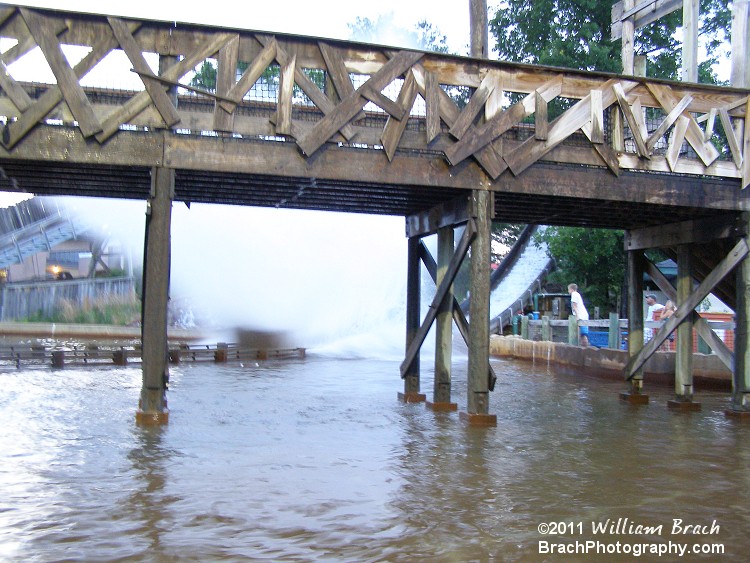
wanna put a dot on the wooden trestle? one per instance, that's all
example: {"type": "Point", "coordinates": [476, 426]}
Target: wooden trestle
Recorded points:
{"type": "Point", "coordinates": [299, 122]}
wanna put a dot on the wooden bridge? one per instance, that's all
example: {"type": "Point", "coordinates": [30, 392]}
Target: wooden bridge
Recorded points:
{"type": "Point", "coordinates": [306, 123]}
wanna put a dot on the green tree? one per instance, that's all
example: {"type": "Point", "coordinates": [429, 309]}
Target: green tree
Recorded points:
{"type": "Point", "coordinates": [576, 34]}
{"type": "Point", "coordinates": [592, 258]}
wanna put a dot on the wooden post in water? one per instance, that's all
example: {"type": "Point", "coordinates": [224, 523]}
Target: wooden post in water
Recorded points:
{"type": "Point", "coordinates": [441, 396]}
{"type": "Point", "coordinates": [478, 402]}
{"type": "Point", "coordinates": [613, 337]}
{"type": "Point", "coordinates": [683, 376]}
{"type": "Point", "coordinates": [411, 392]}
{"type": "Point", "coordinates": [635, 324]}
{"type": "Point", "coordinates": [741, 377]}
{"type": "Point", "coordinates": [153, 404]}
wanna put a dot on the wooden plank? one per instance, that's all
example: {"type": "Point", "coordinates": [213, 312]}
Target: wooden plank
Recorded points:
{"type": "Point", "coordinates": [561, 128]}
{"type": "Point", "coordinates": [432, 105]}
{"type": "Point", "coordinates": [442, 290]}
{"type": "Point", "coordinates": [746, 148]}
{"type": "Point", "coordinates": [675, 143]}
{"type": "Point", "coordinates": [596, 135]}
{"type": "Point", "coordinates": [458, 315]}
{"type": "Point", "coordinates": [338, 73]}
{"type": "Point", "coordinates": [286, 90]}
{"type": "Point", "coordinates": [226, 75]}
{"type": "Point", "coordinates": [698, 231]}
{"type": "Point", "coordinates": [394, 128]}
{"type": "Point", "coordinates": [690, 17]}
{"type": "Point", "coordinates": [316, 95]}
{"type": "Point", "coordinates": [67, 80]}
{"type": "Point", "coordinates": [642, 14]}
{"type": "Point", "coordinates": [541, 126]}
{"type": "Point", "coordinates": [159, 96]}
{"type": "Point", "coordinates": [487, 132]}
{"type": "Point", "coordinates": [667, 122]}
{"type": "Point", "coordinates": [705, 151]}
{"type": "Point", "coordinates": [353, 103]}
{"type": "Point", "coordinates": [140, 101]}
{"type": "Point", "coordinates": [607, 154]}
{"type": "Point", "coordinates": [734, 143]}
{"type": "Point", "coordinates": [633, 122]}
{"type": "Point", "coordinates": [13, 89]}
{"type": "Point", "coordinates": [475, 105]}
{"type": "Point", "coordinates": [684, 309]}
{"type": "Point", "coordinates": [702, 327]}
{"type": "Point", "coordinates": [250, 76]}
{"type": "Point", "coordinates": [17, 130]}
{"type": "Point", "coordinates": [384, 102]}
{"type": "Point", "coordinates": [487, 157]}
{"type": "Point", "coordinates": [710, 119]}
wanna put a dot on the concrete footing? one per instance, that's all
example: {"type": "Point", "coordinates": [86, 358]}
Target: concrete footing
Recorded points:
{"type": "Point", "coordinates": [476, 419]}
{"type": "Point", "coordinates": [738, 414]}
{"type": "Point", "coordinates": [412, 397]}
{"type": "Point", "coordinates": [441, 406]}
{"type": "Point", "coordinates": [151, 418]}
{"type": "Point", "coordinates": [676, 404]}
{"type": "Point", "coordinates": [634, 398]}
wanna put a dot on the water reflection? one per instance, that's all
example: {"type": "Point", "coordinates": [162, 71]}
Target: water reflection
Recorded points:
{"type": "Point", "coordinates": [317, 459]}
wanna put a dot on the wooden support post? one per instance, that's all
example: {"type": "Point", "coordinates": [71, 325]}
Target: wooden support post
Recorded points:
{"type": "Point", "coordinates": [153, 404]}
{"type": "Point", "coordinates": [58, 358]}
{"type": "Point", "coordinates": [546, 329]}
{"type": "Point", "coordinates": [221, 355]}
{"type": "Point", "coordinates": [120, 357]}
{"type": "Point", "coordinates": [683, 377]}
{"type": "Point", "coordinates": [479, 35]}
{"type": "Point", "coordinates": [525, 327]}
{"type": "Point", "coordinates": [628, 39]}
{"type": "Point", "coordinates": [573, 333]}
{"type": "Point", "coordinates": [690, 14]}
{"type": "Point", "coordinates": [741, 376]}
{"type": "Point", "coordinates": [635, 324]}
{"type": "Point", "coordinates": [740, 73]}
{"type": "Point", "coordinates": [411, 392]}
{"type": "Point", "coordinates": [477, 405]}
{"type": "Point", "coordinates": [441, 396]}
{"type": "Point", "coordinates": [613, 337]}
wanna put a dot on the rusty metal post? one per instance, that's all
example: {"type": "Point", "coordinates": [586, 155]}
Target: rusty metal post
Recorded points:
{"type": "Point", "coordinates": [153, 404]}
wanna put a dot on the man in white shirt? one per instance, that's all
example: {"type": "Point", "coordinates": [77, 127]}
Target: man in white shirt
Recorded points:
{"type": "Point", "coordinates": [579, 310]}
{"type": "Point", "coordinates": [652, 314]}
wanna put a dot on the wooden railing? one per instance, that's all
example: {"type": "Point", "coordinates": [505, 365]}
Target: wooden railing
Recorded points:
{"type": "Point", "coordinates": [505, 117]}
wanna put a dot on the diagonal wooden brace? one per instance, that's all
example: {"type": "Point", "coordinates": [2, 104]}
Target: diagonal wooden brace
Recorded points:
{"type": "Point", "coordinates": [683, 311]}
{"type": "Point", "coordinates": [458, 315]}
{"type": "Point", "coordinates": [442, 290]}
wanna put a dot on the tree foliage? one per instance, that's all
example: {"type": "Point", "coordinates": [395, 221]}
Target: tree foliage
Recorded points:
{"type": "Point", "coordinates": [576, 34]}
{"type": "Point", "coordinates": [592, 258]}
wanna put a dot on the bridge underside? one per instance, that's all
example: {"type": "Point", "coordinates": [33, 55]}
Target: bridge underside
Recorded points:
{"type": "Point", "coordinates": [547, 193]}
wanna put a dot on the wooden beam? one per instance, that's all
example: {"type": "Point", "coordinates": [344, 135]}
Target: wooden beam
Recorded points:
{"type": "Point", "coordinates": [251, 75]}
{"type": "Point", "coordinates": [475, 105]}
{"type": "Point", "coordinates": [690, 16]}
{"type": "Point", "coordinates": [226, 75]}
{"type": "Point", "coordinates": [286, 91]}
{"type": "Point", "coordinates": [353, 103]}
{"type": "Point", "coordinates": [458, 315]}
{"type": "Point", "coordinates": [642, 13]}
{"type": "Point", "coordinates": [67, 80]}
{"type": "Point", "coordinates": [432, 105]}
{"type": "Point", "coordinates": [687, 232]}
{"type": "Point", "coordinates": [450, 275]}
{"type": "Point", "coordinates": [428, 222]}
{"type": "Point", "coordinates": [701, 325]}
{"type": "Point", "coordinates": [740, 58]}
{"type": "Point", "coordinates": [683, 310]}
{"type": "Point", "coordinates": [394, 127]}
{"type": "Point", "coordinates": [667, 122]}
{"type": "Point", "coordinates": [635, 120]}
{"type": "Point", "coordinates": [159, 96]}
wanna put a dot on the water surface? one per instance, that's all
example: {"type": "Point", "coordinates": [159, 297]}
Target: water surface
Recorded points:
{"type": "Point", "coordinates": [317, 460]}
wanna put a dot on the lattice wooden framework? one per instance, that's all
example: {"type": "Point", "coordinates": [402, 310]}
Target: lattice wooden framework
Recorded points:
{"type": "Point", "coordinates": [508, 117]}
